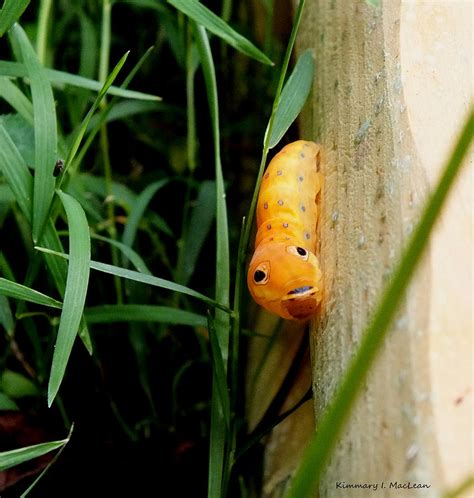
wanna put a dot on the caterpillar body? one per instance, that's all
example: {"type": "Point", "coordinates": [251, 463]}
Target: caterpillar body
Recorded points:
{"type": "Point", "coordinates": [284, 274]}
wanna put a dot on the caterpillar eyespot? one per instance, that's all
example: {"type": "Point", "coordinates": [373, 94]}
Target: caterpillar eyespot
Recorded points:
{"type": "Point", "coordinates": [262, 274]}
{"type": "Point", "coordinates": [298, 251]}
{"type": "Point", "coordinates": [284, 274]}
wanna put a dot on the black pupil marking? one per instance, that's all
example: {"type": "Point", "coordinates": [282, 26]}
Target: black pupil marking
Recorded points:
{"type": "Point", "coordinates": [300, 178]}
{"type": "Point", "coordinates": [280, 202]}
{"type": "Point", "coordinates": [307, 236]}
{"type": "Point", "coordinates": [259, 275]}
{"type": "Point", "coordinates": [285, 225]}
{"type": "Point", "coordinates": [301, 251]}
{"type": "Point", "coordinates": [302, 155]}
{"type": "Point", "coordinates": [303, 209]}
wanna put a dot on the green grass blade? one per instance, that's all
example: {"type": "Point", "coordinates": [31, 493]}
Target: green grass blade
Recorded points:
{"type": "Point", "coordinates": [16, 173]}
{"type": "Point", "coordinates": [60, 78]}
{"type": "Point", "coordinates": [46, 139]}
{"type": "Point", "coordinates": [202, 15]}
{"type": "Point", "coordinates": [145, 279]}
{"type": "Point", "coordinates": [338, 410]}
{"type": "Point", "coordinates": [293, 97]}
{"type": "Point", "coordinates": [15, 97]}
{"type": "Point", "coordinates": [10, 13]}
{"type": "Point", "coordinates": [11, 458]}
{"type": "Point", "coordinates": [111, 313]}
{"type": "Point", "coordinates": [82, 129]}
{"type": "Point", "coordinates": [18, 291]}
{"type": "Point", "coordinates": [138, 210]}
{"type": "Point", "coordinates": [217, 477]}
{"type": "Point", "coordinates": [128, 252]}
{"type": "Point", "coordinates": [76, 289]}
{"type": "Point", "coordinates": [196, 231]}
{"type": "Point", "coordinates": [6, 316]}
{"type": "Point", "coordinates": [460, 490]}
{"type": "Point", "coordinates": [218, 369]}
{"type": "Point", "coordinates": [126, 109]}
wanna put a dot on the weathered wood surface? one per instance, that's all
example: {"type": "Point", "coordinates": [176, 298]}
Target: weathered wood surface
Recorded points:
{"type": "Point", "coordinates": [392, 85]}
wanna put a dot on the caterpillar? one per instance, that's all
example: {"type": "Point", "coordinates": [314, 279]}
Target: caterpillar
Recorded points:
{"type": "Point", "coordinates": [284, 274]}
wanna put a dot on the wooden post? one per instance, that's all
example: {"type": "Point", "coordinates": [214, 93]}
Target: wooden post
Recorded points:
{"type": "Point", "coordinates": [392, 86]}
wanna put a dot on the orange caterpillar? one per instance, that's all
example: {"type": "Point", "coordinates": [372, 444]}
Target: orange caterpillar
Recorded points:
{"type": "Point", "coordinates": [284, 275]}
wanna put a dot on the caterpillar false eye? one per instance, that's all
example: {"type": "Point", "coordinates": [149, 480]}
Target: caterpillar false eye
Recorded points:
{"type": "Point", "coordinates": [298, 251]}
{"type": "Point", "coordinates": [287, 213]}
{"type": "Point", "coordinates": [262, 274]}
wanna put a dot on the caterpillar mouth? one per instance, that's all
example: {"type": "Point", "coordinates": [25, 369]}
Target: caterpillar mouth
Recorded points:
{"type": "Point", "coordinates": [301, 303]}
{"type": "Point", "coordinates": [300, 290]}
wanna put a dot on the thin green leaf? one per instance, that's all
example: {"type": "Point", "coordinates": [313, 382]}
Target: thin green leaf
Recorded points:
{"type": "Point", "coordinates": [196, 231]}
{"type": "Point", "coordinates": [219, 372]}
{"type": "Point", "coordinates": [138, 210]}
{"type": "Point", "coordinates": [339, 408]}
{"type": "Point", "coordinates": [15, 457]}
{"type": "Point", "coordinates": [7, 404]}
{"type": "Point", "coordinates": [126, 109]}
{"type": "Point", "coordinates": [293, 97]}
{"type": "Point", "coordinates": [82, 129]}
{"type": "Point", "coordinates": [18, 291]}
{"type": "Point", "coordinates": [110, 313]}
{"type": "Point", "coordinates": [18, 70]}
{"type": "Point", "coordinates": [16, 173]}
{"type": "Point", "coordinates": [144, 279]}
{"type": "Point", "coordinates": [46, 140]}
{"type": "Point", "coordinates": [6, 316]}
{"type": "Point", "coordinates": [202, 15]}
{"type": "Point", "coordinates": [128, 252]}
{"type": "Point", "coordinates": [218, 474]}
{"type": "Point", "coordinates": [16, 385]}
{"type": "Point", "coordinates": [460, 490]}
{"type": "Point", "coordinates": [10, 13]}
{"type": "Point", "coordinates": [16, 98]}
{"type": "Point", "coordinates": [22, 134]}
{"type": "Point", "coordinates": [76, 289]}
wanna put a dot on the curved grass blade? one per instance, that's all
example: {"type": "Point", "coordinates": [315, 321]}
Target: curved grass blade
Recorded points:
{"type": "Point", "coordinates": [18, 70]}
{"type": "Point", "coordinates": [196, 231]}
{"type": "Point", "coordinates": [18, 291]}
{"type": "Point", "coordinates": [202, 15]}
{"type": "Point", "coordinates": [10, 13]}
{"type": "Point", "coordinates": [128, 252]}
{"type": "Point", "coordinates": [46, 140]}
{"type": "Point", "coordinates": [111, 313]}
{"type": "Point", "coordinates": [293, 97]}
{"type": "Point", "coordinates": [329, 428]}
{"type": "Point", "coordinates": [138, 210]}
{"type": "Point", "coordinates": [16, 98]}
{"type": "Point", "coordinates": [145, 279]}
{"type": "Point", "coordinates": [16, 173]}
{"type": "Point", "coordinates": [76, 289]}
{"type": "Point", "coordinates": [82, 129]}
{"type": "Point", "coordinates": [11, 458]}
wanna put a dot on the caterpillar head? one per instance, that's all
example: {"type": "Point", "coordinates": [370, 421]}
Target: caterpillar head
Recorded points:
{"type": "Point", "coordinates": [285, 279]}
